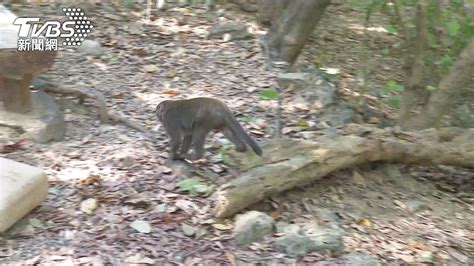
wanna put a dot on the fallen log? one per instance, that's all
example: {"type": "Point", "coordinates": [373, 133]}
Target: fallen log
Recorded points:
{"type": "Point", "coordinates": [289, 163]}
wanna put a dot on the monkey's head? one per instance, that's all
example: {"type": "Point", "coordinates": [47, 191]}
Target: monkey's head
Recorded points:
{"type": "Point", "coordinates": [161, 109]}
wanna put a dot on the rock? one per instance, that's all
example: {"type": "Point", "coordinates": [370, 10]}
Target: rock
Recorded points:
{"type": "Point", "coordinates": [251, 226]}
{"type": "Point", "coordinates": [355, 259]}
{"type": "Point", "coordinates": [328, 217]}
{"type": "Point", "coordinates": [300, 80]}
{"type": "Point", "coordinates": [324, 238]}
{"type": "Point", "coordinates": [90, 47]}
{"type": "Point", "coordinates": [463, 114]}
{"type": "Point", "coordinates": [22, 188]}
{"type": "Point", "coordinates": [52, 126]}
{"type": "Point", "coordinates": [311, 88]}
{"type": "Point", "coordinates": [294, 245]}
{"type": "Point", "coordinates": [231, 31]}
{"type": "Point", "coordinates": [43, 123]}
{"type": "Point", "coordinates": [286, 228]}
{"type": "Point", "coordinates": [336, 115]}
{"type": "Point", "coordinates": [416, 206]}
{"type": "Point", "coordinates": [299, 240]}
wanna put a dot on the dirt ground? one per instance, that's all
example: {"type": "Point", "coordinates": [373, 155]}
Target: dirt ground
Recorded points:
{"type": "Point", "coordinates": [399, 214]}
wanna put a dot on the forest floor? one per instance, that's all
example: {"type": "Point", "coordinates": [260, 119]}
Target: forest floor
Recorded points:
{"type": "Point", "coordinates": [396, 213]}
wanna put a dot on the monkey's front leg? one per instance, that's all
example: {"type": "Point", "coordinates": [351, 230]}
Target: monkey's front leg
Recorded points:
{"type": "Point", "coordinates": [175, 144]}
{"type": "Point", "coordinates": [186, 145]}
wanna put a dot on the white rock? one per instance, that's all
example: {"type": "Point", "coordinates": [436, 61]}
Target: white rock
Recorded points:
{"type": "Point", "coordinates": [90, 47]}
{"type": "Point", "coordinates": [22, 188]}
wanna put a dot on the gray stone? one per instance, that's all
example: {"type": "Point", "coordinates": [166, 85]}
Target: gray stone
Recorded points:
{"type": "Point", "coordinates": [328, 239]}
{"type": "Point", "coordinates": [311, 88]}
{"type": "Point", "coordinates": [324, 238]}
{"type": "Point", "coordinates": [251, 226]}
{"type": "Point", "coordinates": [22, 188]}
{"type": "Point", "coordinates": [336, 115]}
{"type": "Point", "coordinates": [286, 228]}
{"type": "Point", "coordinates": [229, 31]}
{"type": "Point", "coordinates": [299, 240]}
{"type": "Point", "coordinates": [90, 47]}
{"type": "Point", "coordinates": [44, 123]}
{"type": "Point", "coordinates": [299, 80]}
{"type": "Point", "coordinates": [293, 245]}
{"type": "Point", "coordinates": [328, 217]}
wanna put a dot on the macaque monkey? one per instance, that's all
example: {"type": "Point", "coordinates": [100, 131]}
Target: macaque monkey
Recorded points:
{"type": "Point", "coordinates": [188, 122]}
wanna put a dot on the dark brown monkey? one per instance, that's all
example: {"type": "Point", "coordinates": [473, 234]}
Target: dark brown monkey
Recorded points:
{"type": "Point", "coordinates": [188, 122]}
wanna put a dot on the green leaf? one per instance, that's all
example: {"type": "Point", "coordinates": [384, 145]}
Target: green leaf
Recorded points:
{"type": "Point", "coordinates": [453, 27]}
{"type": "Point", "coordinates": [431, 88]}
{"type": "Point", "coordinates": [394, 86]}
{"type": "Point", "coordinates": [36, 223]}
{"type": "Point", "coordinates": [248, 118]}
{"type": "Point", "coordinates": [391, 83]}
{"type": "Point", "coordinates": [385, 51]}
{"type": "Point", "coordinates": [204, 189]}
{"type": "Point", "coordinates": [394, 101]}
{"type": "Point", "coordinates": [302, 123]}
{"type": "Point", "coordinates": [188, 184]}
{"type": "Point", "coordinates": [385, 90]}
{"type": "Point", "coordinates": [114, 58]}
{"type": "Point", "coordinates": [195, 187]}
{"type": "Point", "coordinates": [391, 29]}
{"type": "Point", "coordinates": [269, 94]}
{"type": "Point", "coordinates": [225, 157]}
{"type": "Point", "coordinates": [127, 3]}
{"type": "Point", "coordinates": [446, 61]}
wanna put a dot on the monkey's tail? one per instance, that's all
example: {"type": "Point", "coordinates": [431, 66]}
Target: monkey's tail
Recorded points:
{"type": "Point", "coordinates": [240, 132]}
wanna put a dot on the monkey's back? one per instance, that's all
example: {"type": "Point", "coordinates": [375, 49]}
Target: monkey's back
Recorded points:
{"type": "Point", "coordinates": [206, 112]}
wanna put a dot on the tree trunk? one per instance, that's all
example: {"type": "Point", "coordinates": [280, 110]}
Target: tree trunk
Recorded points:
{"type": "Point", "coordinates": [414, 87]}
{"type": "Point", "coordinates": [290, 163]}
{"type": "Point", "coordinates": [292, 29]}
{"type": "Point", "coordinates": [245, 5]}
{"type": "Point", "coordinates": [443, 99]}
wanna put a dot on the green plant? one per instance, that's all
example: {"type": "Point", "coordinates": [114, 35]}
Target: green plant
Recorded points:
{"type": "Point", "coordinates": [195, 187]}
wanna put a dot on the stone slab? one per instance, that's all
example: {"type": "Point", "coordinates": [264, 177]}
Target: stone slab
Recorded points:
{"type": "Point", "coordinates": [9, 32]}
{"type": "Point", "coordinates": [22, 188]}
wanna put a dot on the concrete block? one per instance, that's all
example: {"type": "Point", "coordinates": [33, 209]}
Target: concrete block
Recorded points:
{"type": "Point", "coordinates": [22, 188]}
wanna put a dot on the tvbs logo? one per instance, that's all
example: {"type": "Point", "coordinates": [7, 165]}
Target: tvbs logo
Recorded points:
{"type": "Point", "coordinates": [73, 31]}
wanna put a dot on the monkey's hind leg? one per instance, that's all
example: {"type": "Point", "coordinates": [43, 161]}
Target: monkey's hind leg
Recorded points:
{"type": "Point", "coordinates": [239, 143]}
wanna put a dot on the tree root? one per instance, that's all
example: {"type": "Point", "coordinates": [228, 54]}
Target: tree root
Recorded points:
{"type": "Point", "coordinates": [105, 116]}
